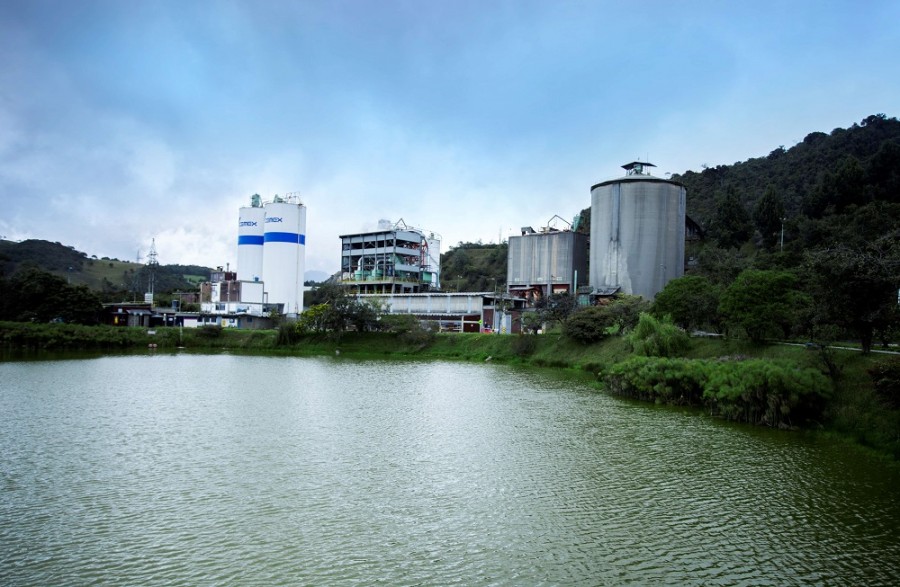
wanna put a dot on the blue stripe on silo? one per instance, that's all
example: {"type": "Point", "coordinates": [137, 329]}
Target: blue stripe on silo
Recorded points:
{"type": "Point", "coordinates": [250, 239]}
{"type": "Point", "coordinates": [285, 237]}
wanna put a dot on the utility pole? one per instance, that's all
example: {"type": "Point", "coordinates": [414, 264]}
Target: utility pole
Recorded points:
{"type": "Point", "coordinates": [782, 233]}
{"type": "Point", "coordinates": [152, 264]}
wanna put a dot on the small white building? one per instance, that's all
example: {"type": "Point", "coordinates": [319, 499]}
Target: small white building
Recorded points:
{"type": "Point", "coordinates": [227, 301]}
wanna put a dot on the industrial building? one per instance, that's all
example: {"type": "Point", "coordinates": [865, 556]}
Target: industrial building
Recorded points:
{"type": "Point", "coordinates": [455, 312]}
{"type": "Point", "coordinates": [546, 262]}
{"type": "Point", "coordinates": [394, 259]}
{"type": "Point", "coordinates": [226, 301]}
{"type": "Point", "coordinates": [637, 233]}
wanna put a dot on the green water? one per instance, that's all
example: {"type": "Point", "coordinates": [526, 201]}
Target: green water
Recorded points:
{"type": "Point", "coordinates": [242, 470]}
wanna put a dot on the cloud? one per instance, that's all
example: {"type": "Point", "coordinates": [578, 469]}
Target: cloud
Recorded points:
{"type": "Point", "coordinates": [124, 122]}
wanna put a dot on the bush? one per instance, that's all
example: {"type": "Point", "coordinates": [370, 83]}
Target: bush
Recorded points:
{"type": "Point", "coordinates": [419, 335]}
{"type": "Point", "coordinates": [289, 333]}
{"type": "Point", "coordinates": [670, 381]}
{"type": "Point", "coordinates": [886, 383]}
{"type": "Point", "coordinates": [209, 331]}
{"type": "Point", "coordinates": [692, 301]}
{"type": "Point", "coordinates": [524, 345]}
{"type": "Point", "coordinates": [398, 323]}
{"type": "Point", "coordinates": [658, 338]}
{"type": "Point", "coordinates": [770, 393]}
{"type": "Point", "coordinates": [588, 325]}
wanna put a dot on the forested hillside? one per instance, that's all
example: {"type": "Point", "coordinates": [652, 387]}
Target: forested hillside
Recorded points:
{"type": "Point", "coordinates": [112, 279]}
{"type": "Point", "coordinates": [474, 267]}
{"type": "Point", "coordinates": [855, 165]}
{"type": "Point", "coordinates": [803, 242]}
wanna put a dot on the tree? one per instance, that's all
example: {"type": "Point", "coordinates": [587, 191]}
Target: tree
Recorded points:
{"type": "Point", "coordinates": [625, 311]}
{"type": "Point", "coordinates": [692, 301]}
{"type": "Point", "coordinates": [768, 214]}
{"type": "Point", "coordinates": [37, 296]}
{"type": "Point", "coordinates": [762, 303]}
{"type": "Point", "coordinates": [721, 266]}
{"type": "Point", "coordinates": [590, 324]}
{"type": "Point", "coordinates": [883, 172]}
{"type": "Point", "coordinates": [731, 226]}
{"type": "Point", "coordinates": [856, 286]}
{"type": "Point", "coordinates": [556, 307]}
{"type": "Point", "coordinates": [313, 318]}
{"type": "Point", "coordinates": [339, 312]}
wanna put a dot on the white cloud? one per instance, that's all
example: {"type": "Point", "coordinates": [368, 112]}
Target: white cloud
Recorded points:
{"type": "Point", "coordinates": [469, 127]}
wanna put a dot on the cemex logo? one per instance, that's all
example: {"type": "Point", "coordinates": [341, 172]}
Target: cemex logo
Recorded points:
{"type": "Point", "coordinates": [247, 223]}
{"type": "Point", "coordinates": [273, 219]}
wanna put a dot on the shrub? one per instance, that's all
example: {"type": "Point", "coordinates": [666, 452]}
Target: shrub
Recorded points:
{"type": "Point", "coordinates": [770, 393]}
{"type": "Point", "coordinates": [661, 380]}
{"type": "Point", "coordinates": [419, 335]}
{"type": "Point", "coordinates": [288, 333]}
{"type": "Point", "coordinates": [657, 338]}
{"type": "Point", "coordinates": [886, 383]}
{"type": "Point", "coordinates": [209, 331]}
{"type": "Point", "coordinates": [398, 323]}
{"type": "Point", "coordinates": [524, 345]}
{"type": "Point", "coordinates": [692, 301]}
{"type": "Point", "coordinates": [588, 325]}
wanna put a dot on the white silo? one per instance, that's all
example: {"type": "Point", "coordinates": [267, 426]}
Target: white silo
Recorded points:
{"type": "Point", "coordinates": [251, 230]}
{"type": "Point", "coordinates": [434, 258]}
{"type": "Point", "coordinates": [637, 232]}
{"type": "Point", "coordinates": [284, 253]}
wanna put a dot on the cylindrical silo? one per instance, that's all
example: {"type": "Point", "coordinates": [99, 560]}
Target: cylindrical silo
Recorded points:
{"type": "Point", "coordinates": [251, 229]}
{"type": "Point", "coordinates": [434, 258]}
{"type": "Point", "coordinates": [637, 232]}
{"type": "Point", "coordinates": [284, 254]}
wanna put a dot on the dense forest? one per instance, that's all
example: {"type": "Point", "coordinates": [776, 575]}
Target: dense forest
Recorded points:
{"type": "Point", "coordinates": [812, 233]}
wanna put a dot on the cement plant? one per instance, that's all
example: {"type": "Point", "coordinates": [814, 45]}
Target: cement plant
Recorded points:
{"type": "Point", "coordinates": [638, 227]}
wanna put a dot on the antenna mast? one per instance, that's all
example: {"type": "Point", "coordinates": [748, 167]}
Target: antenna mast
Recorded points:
{"type": "Point", "coordinates": [152, 264]}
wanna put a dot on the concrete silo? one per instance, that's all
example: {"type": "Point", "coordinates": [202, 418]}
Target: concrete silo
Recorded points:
{"type": "Point", "coordinates": [284, 253]}
{"type": "Point", "coordinates": [637, 232]}
{"type": "Point", "coordinates": [251, 231]}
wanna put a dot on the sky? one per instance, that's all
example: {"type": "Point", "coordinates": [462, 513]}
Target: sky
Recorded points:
{"type": "Point", "coordinates": [124, 122]}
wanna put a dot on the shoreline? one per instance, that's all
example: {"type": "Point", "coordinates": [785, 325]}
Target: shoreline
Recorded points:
{"type": "Point", "coordinates": [852, 409]}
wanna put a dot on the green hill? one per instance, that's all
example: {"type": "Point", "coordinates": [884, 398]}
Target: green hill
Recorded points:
{"type": "Point", "coordinates": [474, 267]}
{"type": "Point", "coordinates": [798, 173]}
{"type": "Point", "coordinates": [112, 278]}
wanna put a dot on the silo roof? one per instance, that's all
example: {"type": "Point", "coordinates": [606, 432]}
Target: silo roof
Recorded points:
{"type": "Point", "coordinates": [627, 178]}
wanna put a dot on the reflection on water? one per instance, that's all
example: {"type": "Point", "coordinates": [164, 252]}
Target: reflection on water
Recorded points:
{"type": "Point", "coordinates": [234, 470]}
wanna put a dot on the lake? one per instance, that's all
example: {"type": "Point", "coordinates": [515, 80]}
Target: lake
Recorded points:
{"type": "Point", "coordinates": [187, 469]}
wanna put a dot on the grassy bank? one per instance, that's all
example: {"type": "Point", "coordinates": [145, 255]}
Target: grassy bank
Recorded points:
{"type": "Point", "coordinates": [853, 408]}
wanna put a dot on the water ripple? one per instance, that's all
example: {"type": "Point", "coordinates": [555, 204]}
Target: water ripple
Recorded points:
{"type": "Point", "coordinates": [228, 470]}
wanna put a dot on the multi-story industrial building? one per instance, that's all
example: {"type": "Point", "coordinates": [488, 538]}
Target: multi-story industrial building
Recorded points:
{"type": "Point", "coordinates": [396, 258]}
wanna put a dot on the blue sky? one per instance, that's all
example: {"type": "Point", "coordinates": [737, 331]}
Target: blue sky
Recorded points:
{"type": "Point", "coordinates": [123, 121]}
